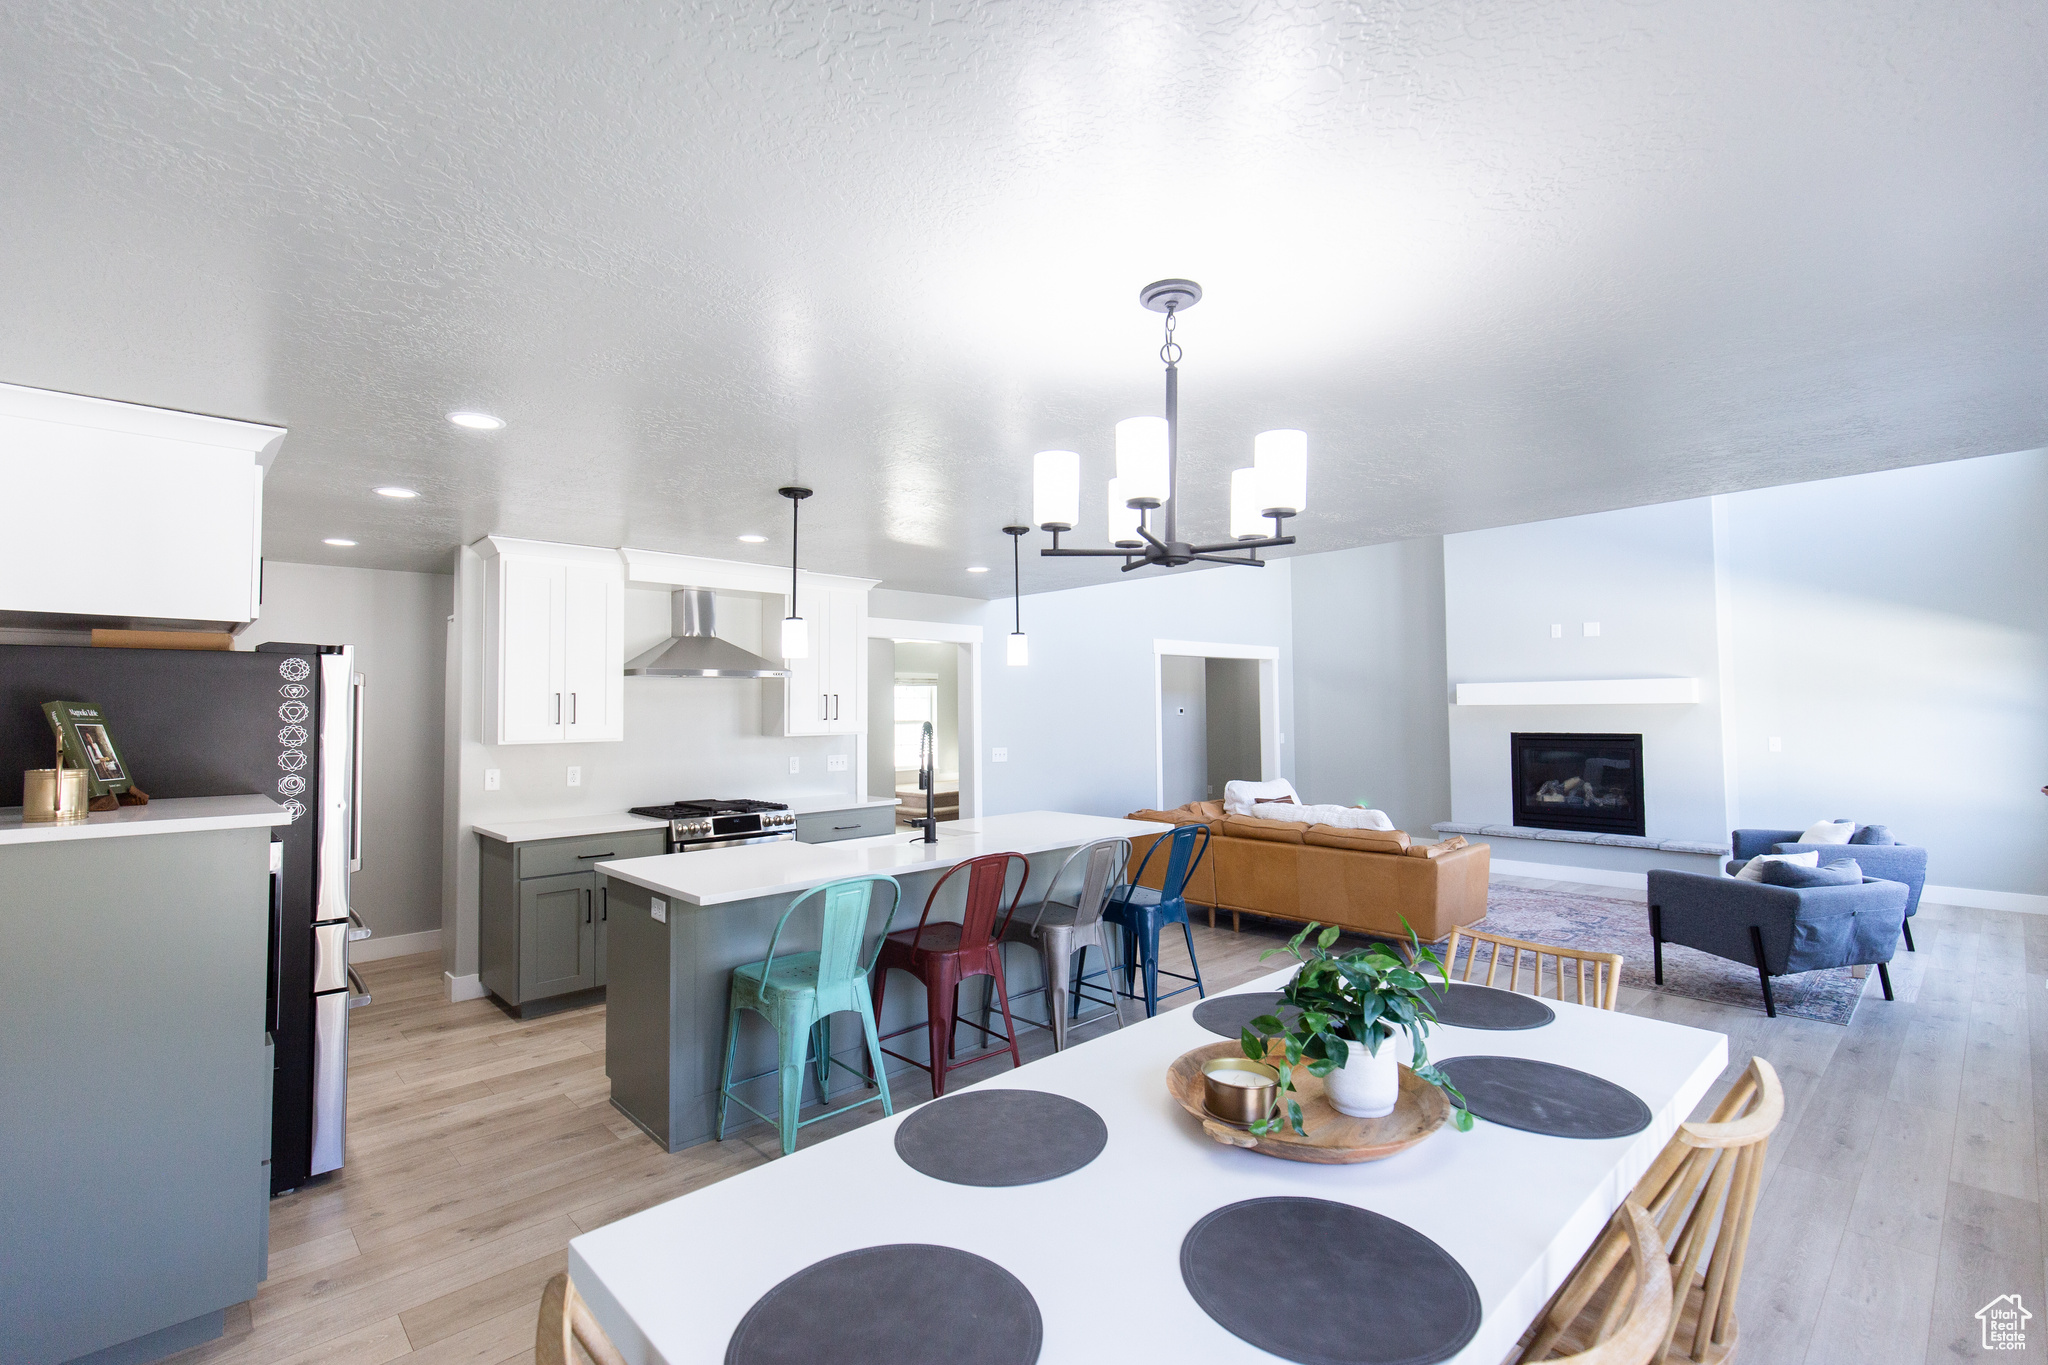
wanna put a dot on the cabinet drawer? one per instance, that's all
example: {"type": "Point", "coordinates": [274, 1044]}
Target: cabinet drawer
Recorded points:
{"type": "Point", "coordinates": [552, 856]}
{"type": "Point", "coordinates": [826, 826]}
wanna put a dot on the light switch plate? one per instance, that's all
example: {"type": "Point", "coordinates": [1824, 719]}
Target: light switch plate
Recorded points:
{"type": "Point", "coordinates": [999, 755]}
{"type": "Point", "coordinates": [1557, 632]}
{"type": "Point", "coordinates": [490, 779]}
{"type": "Point", "coordinates": [835, 763]}
{"type": "Point", "coordinates": [1592, 629]}
{"type": "Point", "coordinates": [575, 777]}
{"type": "Point", "coordinates": [793, 764]}
{"type": "Point", "coordinates": [1777, 745]}
{"type": "Point", "coordinates": [658, 908]}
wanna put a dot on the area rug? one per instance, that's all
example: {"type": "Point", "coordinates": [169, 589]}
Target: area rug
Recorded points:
{"type": "Point", "coordinates": [1572, 920]}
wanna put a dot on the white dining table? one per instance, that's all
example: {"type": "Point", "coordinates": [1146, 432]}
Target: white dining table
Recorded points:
{"type": "Point", "coordinates": [1099, 1249]}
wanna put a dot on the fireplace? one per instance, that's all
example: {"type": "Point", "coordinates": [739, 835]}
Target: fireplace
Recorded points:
{"type": "Point", "coordinates": [1583, 782]}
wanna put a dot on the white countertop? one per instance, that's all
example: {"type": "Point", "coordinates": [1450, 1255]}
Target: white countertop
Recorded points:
{"type": "Point", "coordinates": [619, 822]}
{"type": "Point", "coordinates": [167, 815]}
{"type": "Point", "coordinates": [715, 876]}
{"type": "Point", "coordinates": [1100, 1249]}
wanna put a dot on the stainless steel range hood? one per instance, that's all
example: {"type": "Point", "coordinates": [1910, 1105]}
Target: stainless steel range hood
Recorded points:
{"type": "Point", "coordinates": [696, 651]}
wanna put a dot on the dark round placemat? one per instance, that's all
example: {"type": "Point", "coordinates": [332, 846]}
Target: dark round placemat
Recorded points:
{"type": "Point", "coordinates": [1226, 1015]}
{"type": "Point", "coordinates": [1489, 1007]}
{"type": "Point", "coordinates": [1001, 1137]}
{"type": "Point", "coordinates": [1543, 1097]}
{"type": "Point", "coordinates": [1369, 1291]}
{"type": "Point", "coordinates": [909, 1304]}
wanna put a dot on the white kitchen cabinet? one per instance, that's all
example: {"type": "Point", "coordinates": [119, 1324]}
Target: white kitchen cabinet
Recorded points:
{"type": "Point", "coordinates": [825, 693]}
{"type": "Point", "coordinates": [554, 643]}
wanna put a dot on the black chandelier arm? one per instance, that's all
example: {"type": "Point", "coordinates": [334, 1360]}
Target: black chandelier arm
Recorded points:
{"type": "Point", "coordinates": [1108, 554]}
{"type": "Point", "coordinates": [1251, 562]}
{"type": "Point", "coordinates": [1150, 538]}
{"type": "Point", "coordinates": [1242, 545]}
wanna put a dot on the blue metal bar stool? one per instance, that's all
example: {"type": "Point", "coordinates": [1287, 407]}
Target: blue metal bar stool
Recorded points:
{"type": "Point", "coordinates": [1141, 911]}
{"type": "Point", "coordinates": [799, 993]}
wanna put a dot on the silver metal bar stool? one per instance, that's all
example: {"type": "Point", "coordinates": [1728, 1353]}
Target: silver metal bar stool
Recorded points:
{"type": "Point", "coordinates": [1064, 931]}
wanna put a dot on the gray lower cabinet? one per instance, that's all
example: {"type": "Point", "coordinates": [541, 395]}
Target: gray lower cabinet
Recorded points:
{"type": "Point", "coordinates": [824, 827]}
{"type": "Point", "coordinates": [542, 913]}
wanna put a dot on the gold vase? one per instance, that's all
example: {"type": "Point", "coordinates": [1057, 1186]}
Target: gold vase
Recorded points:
{"type": "Point", "coordinates": [45, 800]}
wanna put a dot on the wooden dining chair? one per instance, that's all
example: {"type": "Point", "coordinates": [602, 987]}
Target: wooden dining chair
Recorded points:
{"type": "Point", "coordinates": [1702, 1192]}
{"type": "Point", "coordinates": [1605, 967]}
{"type": "Point", "coordinates": [565, 1324]}
{"type": "Point", "coordinates": [1631, 1298]}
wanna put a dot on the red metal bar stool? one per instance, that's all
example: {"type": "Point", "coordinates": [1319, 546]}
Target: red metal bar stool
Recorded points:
{"type": "Point", "coordinates": [943, 955]}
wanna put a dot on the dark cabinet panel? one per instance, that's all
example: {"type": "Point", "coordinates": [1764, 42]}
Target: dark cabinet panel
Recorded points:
{"type": "Point", "coordinates": [557, 935]}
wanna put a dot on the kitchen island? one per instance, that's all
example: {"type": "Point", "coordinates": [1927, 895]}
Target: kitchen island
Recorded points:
{"type": "Point", "coordinates": [680, 923]}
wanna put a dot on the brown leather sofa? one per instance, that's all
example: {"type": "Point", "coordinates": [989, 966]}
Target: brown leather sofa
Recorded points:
{"type": "Point", "coordinates": [1371, 880]}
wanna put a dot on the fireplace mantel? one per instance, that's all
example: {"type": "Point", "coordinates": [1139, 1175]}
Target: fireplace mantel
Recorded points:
{"type": "Point", "coordinates": [1588, 692]}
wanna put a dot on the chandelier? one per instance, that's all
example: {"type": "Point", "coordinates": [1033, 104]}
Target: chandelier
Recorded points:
{"type": "Point", "coordinates": [1148, 469]}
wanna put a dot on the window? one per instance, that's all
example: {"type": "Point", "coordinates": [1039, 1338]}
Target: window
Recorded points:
{"type": "Point", "coordinates": [917, 701]}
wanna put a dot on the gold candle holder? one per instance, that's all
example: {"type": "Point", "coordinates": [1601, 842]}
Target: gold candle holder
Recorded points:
{"type": "Point", "coordinates": [1234, 1101]}
{"type": "Point", "coordinates": [53, 796]}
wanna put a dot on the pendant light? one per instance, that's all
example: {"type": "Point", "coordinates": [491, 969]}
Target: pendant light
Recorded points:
{"type": "Point", "coordinates": [796, 639]}
{"type": "Point", "coordinates": [1020, 648]}
{"type": "Point", "coordinates": [1147, 469]}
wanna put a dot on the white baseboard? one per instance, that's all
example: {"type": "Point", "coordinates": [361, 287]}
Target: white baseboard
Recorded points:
{"type": "Point", "coordinates": [2019, 902]}
{"type": "Point", "coordinates": [461, 988]}
{"type": "Point", "coordinates": [377, 947]}
{"type": "Point", "coordinates": [1560, 872]}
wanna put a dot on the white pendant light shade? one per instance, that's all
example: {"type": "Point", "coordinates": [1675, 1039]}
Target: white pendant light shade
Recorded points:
{"type": "Point", "coordinates": [1141, 459]}
{"type": "Point", "coordinates": [1281, 458]}
{"type": "Point", "coordinates": [1020, 650]}
{"type": "Point", "coordinates": [1056, 490]}
{"type": "Point", "coordinates": [1245, 521]}
{"type": "Point", "coordinates": [796, 639]}
{"type": "Point", "coordinates": [1123, 520]}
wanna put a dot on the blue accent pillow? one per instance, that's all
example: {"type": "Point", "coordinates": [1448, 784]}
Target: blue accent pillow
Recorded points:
{"type": "Point", "coordinates": [1841, 872]}
{"type": "Point", "coordinates": [1872, 834]}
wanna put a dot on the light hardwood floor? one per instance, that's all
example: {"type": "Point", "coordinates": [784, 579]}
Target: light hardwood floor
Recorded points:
{"type": "Point", "coordinates": [1903, 1192]}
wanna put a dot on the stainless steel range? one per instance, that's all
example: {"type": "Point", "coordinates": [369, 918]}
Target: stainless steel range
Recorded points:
{"type": "Point", "coordinates": [694, 825]}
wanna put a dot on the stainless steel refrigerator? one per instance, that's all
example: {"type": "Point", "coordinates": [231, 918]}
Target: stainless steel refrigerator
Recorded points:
{"type": "Point", "coordinates": [285, 721]}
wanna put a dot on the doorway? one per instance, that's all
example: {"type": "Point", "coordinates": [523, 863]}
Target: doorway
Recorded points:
{"type": "Point", "coordinates": [914, 680]}
{"type": "Point", "coordinates": [1218, 718]}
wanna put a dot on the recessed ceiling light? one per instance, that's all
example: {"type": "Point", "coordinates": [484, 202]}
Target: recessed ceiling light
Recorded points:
{"type": "Point", "coordinates": [752, 540]}
{"type": "Point", "coordinates": [394, 491]}
{"type": "Point", "coordinates": [337, 540]}
{"type": "Point", "coordinates": [476, 421]}
{"type": "Point", "coordinates": [977, 568]}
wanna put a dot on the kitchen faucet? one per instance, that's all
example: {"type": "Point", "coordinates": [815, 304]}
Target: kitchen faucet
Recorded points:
{"type": "Point", "coordinates": [926, 750]}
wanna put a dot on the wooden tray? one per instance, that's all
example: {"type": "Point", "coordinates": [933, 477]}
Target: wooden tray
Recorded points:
{"type": "Point", "coordinates": [1333, 1138]}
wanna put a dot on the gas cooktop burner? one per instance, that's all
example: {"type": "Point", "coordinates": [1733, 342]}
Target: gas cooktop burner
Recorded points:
{"type": "Point", "coordinates": [681, 810]}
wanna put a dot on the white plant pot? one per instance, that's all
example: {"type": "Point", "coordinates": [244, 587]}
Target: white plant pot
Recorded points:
{"type": "Point", "coordinates": [1368, 1086]}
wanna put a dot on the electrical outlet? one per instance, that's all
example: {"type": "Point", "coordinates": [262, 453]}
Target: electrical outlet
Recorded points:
{"type": "Point", "coordinates": [575, 777]}
{"type": "Point", "coordinates": [490, 779]}
{"type": "Point", "coordinates": [999, 755]}
{"type": "Point", "coordinates": [794, 764]}
{"type": "Point", "coordinates": [658, 908]}
{"type": "Point", "coordinates": [1557, 631]}
{"type": "Point", "coordinates": [1777, 745]}
{"type": "Point", "coordinates": [1592, 628]}
{"type": "Point", "coordinates": [835, 763]}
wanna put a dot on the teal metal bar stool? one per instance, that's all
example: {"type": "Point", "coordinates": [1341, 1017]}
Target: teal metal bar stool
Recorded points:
{"type": "Point", "coordinates": [800, 992]}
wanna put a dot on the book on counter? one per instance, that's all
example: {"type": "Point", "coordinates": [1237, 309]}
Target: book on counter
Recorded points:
{"type": "Point", "coordinates": [89, 744]}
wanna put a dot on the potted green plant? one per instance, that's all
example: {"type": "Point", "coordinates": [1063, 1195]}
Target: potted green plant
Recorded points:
{"type": "Point", "coordinates": [1351, 1007]}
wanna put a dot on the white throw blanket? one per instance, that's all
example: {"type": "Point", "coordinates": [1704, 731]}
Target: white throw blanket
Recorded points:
{"type": "Point", "coordinates": [1342, 817]}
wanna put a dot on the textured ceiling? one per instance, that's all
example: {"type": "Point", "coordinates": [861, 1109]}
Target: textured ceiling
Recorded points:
{"type": "Point", "coordinates": [1502, 261]}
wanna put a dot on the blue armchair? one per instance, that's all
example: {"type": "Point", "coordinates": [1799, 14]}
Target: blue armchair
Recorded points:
{"type": "Point", "coordinates": [1902, 863]}
{"type": "Point", "coordinates": [1776, 929]}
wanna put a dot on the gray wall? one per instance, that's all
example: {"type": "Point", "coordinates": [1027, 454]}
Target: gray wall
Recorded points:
{"type": "Point", "coordinates": [1183, 730]}
{"type": "Point", "coordinates": [1232, 707]}
{"type": "Point", "coordinates": [1647, 575]}
{"type": "Point", "coordinates": [1891, 630]}
{"type": "Point", "coordinates": [1370, 690]}
{"type": "Point", "coordinates": [1078, 721]}
{"type": "Point", "coordinates": [398, 623]}
{"type": "Point", "coordinates": [881, 716]}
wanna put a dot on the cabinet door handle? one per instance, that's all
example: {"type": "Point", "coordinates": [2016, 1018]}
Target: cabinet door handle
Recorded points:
{"type": "Point", "coordinates": [835, 706]}
{"type": "Point", "coordinates": [837, 828]}
{"type": "Point", "coordinates": [584, 857]}
{"type": "Point", "coordinates": [605, 909]}
{"type": "Point", "coordinates": [586, 907]}
{"type": "Point", "coordinates": [558, 710]}
{"type": "Point", "coordinates": [572, 708]}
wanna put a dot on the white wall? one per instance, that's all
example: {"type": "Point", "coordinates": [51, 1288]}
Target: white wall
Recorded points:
{"type": "Point", "coordinates": [1370, 691]}
{"type": "Point", "coordinates": [1079, 720]}
{"type": "Point", "coordinates": [1647, 576]}
{"type": "Point", "coordinates": [397, 622]}
{"type": "Point", "coordinates": [1891, 630]}
{"type": "Point", "coordinates": [1183, 730]}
